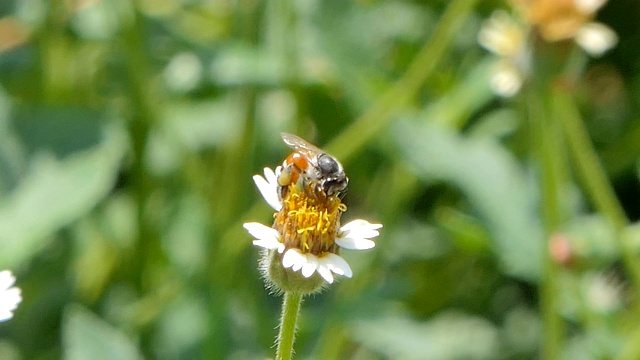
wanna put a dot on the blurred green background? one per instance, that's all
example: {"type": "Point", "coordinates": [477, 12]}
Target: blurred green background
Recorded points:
{"type": "Point", "coordinates": [129, 132]}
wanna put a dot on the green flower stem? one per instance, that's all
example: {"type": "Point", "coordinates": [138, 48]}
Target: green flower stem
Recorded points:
{"type": "Point", "coordinates": [586, 159]}
{"type": "Point", "coordinates": [546, 142]}
{"type": "Point", "coordinates": [594, 177]}
{"type": "Point", "coordinates": [377, 118]}
{"type": "Point", "coordinates": [287, 335]}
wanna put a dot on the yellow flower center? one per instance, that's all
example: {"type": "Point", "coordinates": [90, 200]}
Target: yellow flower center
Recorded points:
{"type": "Point", "coordinates": [308, 221]}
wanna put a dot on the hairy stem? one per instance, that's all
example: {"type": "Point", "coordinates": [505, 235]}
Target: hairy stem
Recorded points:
{"type": "Point", "coordinates": [287, 335]}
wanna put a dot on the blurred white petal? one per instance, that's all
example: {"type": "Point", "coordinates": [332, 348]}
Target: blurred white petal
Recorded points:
{"type": "Point", "coordinates": [10, 296]}
{"type": "Point", "coordinates": [506, 81]}
{"type": "Point", "coordinates": [596, 38]}
{"type": "Point", "coordinates": [589, 6]}
{"type": "Point", "coordinates": [6, 280]}
{"type": "Point", "coordinates": [501, 35]}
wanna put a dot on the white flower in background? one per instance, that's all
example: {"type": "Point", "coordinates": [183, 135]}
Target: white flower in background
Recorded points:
{"type": "Point", "coordinates": [596, 38]}
{"type": "Point", "coordinates": [502, 35]}
{"type": "Point", "coordinates": [559, 20]}
{"type": "Point", "coordinates": [553, 20]}
{"type": "Point", "coordinates": [10, 296]}
{"type": "Point", "coordinates": [603, 292]}
{"type": "Point", "coordinates": [307, 234]}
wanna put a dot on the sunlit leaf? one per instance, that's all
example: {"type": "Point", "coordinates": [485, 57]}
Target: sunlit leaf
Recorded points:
{"type": "Point", "coordinates": [85, 336]}
{"type": "Point", "coordinates": [447, 336]}
{"type": "Point", "coordinates": [491, 179]}
{"type": "Point", "coordinates": [52, 194]}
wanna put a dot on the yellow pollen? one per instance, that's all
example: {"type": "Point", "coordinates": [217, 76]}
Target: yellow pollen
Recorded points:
{"type": "Point", "coordinates": [308, 221]}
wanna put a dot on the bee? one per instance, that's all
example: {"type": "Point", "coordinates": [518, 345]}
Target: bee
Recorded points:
{"type": "Point", "coordinates": [311, 166]}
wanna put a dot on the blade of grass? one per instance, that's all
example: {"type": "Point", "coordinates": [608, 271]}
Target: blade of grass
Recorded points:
{"type": "Point", "coordinates": [594, 177]}
{"type": "Point", "coordinates": [377, 118]}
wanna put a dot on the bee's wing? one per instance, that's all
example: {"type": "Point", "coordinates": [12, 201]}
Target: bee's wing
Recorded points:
{"type": "Point", "coordinates": [302, 146]}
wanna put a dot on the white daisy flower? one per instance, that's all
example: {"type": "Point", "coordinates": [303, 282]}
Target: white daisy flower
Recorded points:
{"type": "Point", "coordinates": [307, 230]}
{"type": "Point", "coordinates": [502, 35]}
{"type": "Point", "coordinates": [560, 20]}
{"type": "Point", "coordinates": [603, 292]}
{"type": "Point", "coordinates": [10, 296]}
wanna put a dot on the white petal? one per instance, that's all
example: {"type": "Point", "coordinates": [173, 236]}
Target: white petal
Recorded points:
{"type": "Point", "coordinates": [596, 38]}
{"type": "Point", "coordinates": [325, 272]}
{"type": "Point", "coordinates": [10, 299]}
{"type": "Point", "coordinates": [506, 80]}
{"type": "Point", "coordinates": [6, 279]}
{"type": "Point", "coordinates": [359, 224]}
{"type": "Point", "coordinates": [270, 175]}
{"type": "Point", "coordinates": [294, 259]}
{"type": "Point", "coordinates": [266, 237]}
{"type": "Point", "coordinates": [310, 266]}
{"type": "Point", "coordinates": [269, 188]}
{"type": "Point", "coordinates": [337, 264]}
{"type": "Point", "coordinates": [501, 34]}
{"type": "Point", "coordinates": [589, 7]}
{"type": "Point", "coordinates": [366, 233]}
{"type": "Point", "coordinates": [260, 231]}
{"type": "Point", "coordinates": [270, 244]}
{"type": "Point", "coordinates": [5, 315]}
{"type": "Point", "coordinates": [355, 243]}
{"type": "Point", "coordinates": [356, 234]}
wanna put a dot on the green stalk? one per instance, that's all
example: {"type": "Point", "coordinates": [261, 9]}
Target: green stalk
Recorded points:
{"type": "Point", "coordinates": [595, 179]}
{"type": "Point", "coordinates": [546, 137]}
{"type": "Point", "coordinates": [287, 335]}
{"type": "Point", "coordinates": [378, 117]}
{"type": "Point", "coordinates": [587, 161]}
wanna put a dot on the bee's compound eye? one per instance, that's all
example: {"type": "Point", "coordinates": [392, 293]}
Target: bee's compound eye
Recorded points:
{"type": "Point", "coordinates": [327, 164]}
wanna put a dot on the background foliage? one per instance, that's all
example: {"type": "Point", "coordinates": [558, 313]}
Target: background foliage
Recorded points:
{"type": "Point", "coordinates": [129, 132]}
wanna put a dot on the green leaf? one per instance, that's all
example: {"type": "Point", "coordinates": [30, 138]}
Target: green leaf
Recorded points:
{"type": "Point", "coordinates": [53, 193]}
{"type": "Point", "coordinates": [85, 336]}
{"type": "Point", "coordinates": [239, 64]}
{"type": "Point", "coordinates": [447, 336]}
{"type": "Point", "coordinates": [493, 182]}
